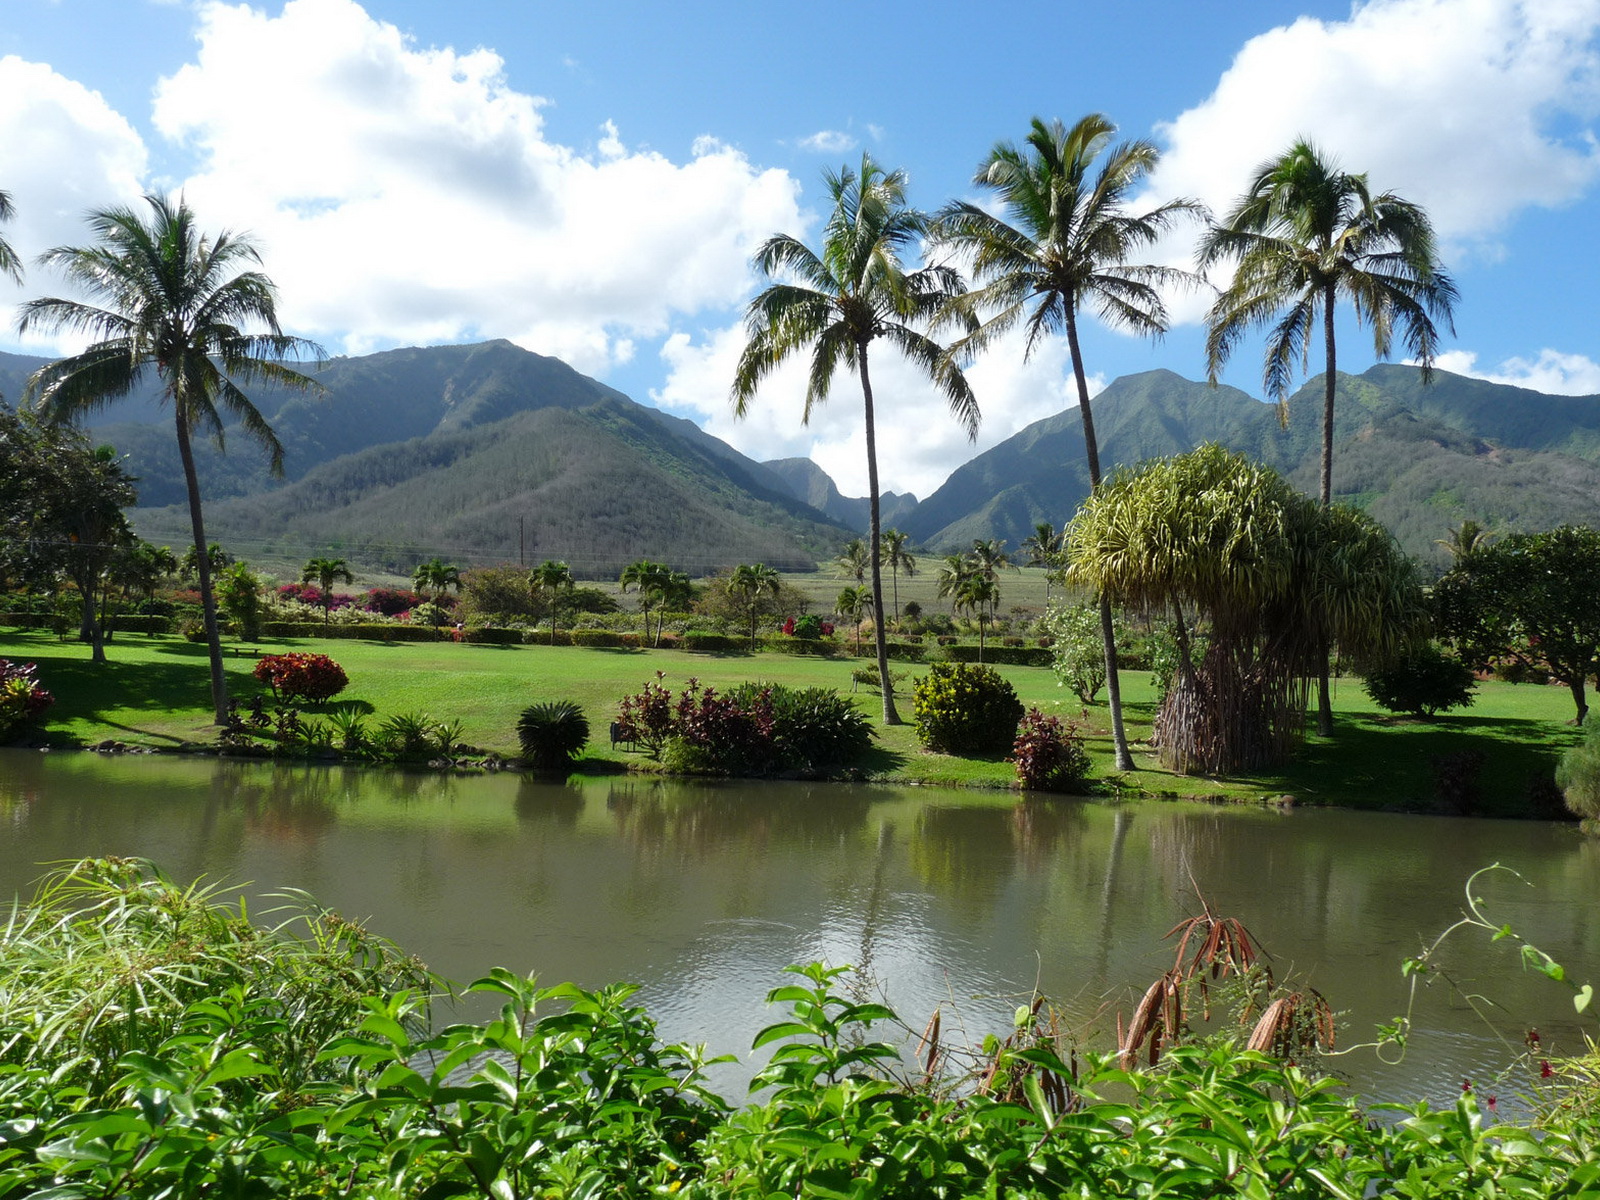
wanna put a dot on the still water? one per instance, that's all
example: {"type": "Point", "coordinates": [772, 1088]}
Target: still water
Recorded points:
{"type": "Point", "coordinates": [702, 893]}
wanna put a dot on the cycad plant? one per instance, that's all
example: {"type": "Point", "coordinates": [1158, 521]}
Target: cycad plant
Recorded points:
{"type": "Point", "coordinates": [552, 734]}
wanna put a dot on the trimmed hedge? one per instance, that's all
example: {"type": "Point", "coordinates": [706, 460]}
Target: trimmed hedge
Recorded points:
{"type": "Point", "coordinates": [898, 651]}
{"type": "Point", "coordinates": [783, 644]}
{"type": "Point", "coordinates": [1011, 656]}
{"type": "Point", "coordinates": [712, 643]}
{"type": "Point", "coordinates": [608, 639]}
{"type": "Point", "coordinates": [137, 623]}
{"type": "Point", "coordinates": [489, 635]}
{"type": "Point", "coordinates": [370, 632]}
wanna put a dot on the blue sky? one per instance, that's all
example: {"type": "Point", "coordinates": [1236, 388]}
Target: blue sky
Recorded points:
{"type": "Point", "coordinates": [589, 180]}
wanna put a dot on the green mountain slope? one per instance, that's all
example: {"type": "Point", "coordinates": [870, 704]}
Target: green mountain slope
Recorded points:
{"type": "Point", "coordinates": [1419, 458]}
{"type": "Point", "coordinates": [808, 482]}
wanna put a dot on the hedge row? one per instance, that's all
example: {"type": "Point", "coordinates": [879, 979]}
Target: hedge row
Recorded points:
{"type": "Point", "coordinates": [122, 623]}
{"type": "Point", "coordinates": [370, 631]}
{"type": "Point", "coordinates": [1011, 656]}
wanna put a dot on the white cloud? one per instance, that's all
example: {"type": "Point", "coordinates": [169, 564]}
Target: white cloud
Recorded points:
{"type": "Point", "coordinates": [919, 442]}
{"type": "Point", "coordinates": [66, 151]}
{"type": "Point", "coordinates": [1552, 372]}
{"type": "Point", "coordinates": [409, 194]}
{"type": "Point", "coordinates": [1474, 108]}
{"type": "Point", "coordinates": [829, 141]}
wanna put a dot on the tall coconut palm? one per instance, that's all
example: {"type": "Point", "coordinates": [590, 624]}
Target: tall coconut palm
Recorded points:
{"type": "Point", "coordinates": [325, 572]}
{"type": "Point", "coordinates": [899, 559]}
{"type": "Point", "coordinates": [1303, 235]}
{"type": "Point", "coordinates": [840, 301]}
{"type": "Point", "coordinates": [552, 579]}
{"type": "Point", "coordinates": [162, 295]}
{"type": "Point", "coordinates": [852, 602]}
{"type": "Point", "coordinates": [988, 557]}
{"type": "Point", "coordinates": [1043, 547]}
{"type": "Point", "coordinates": [748, 582]}
{"type": "Point", "coordinates": [954, 571]}
{"type": "Point", "coordinates": [1064, 240]}
{"type": "Point", "coordinates": [853, 561]}
{"type": "Point", "coordinates": [978, 594]}
{"type": "Point", "coordinates": [10, 264]}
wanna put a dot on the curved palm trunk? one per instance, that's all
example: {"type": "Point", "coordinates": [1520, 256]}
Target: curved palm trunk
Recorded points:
{"type": "Point", "coordinates": [890, 715]}
{"type": "Point", "coordinates": [202, 560]}
{"type": "Point", "coordinates": [1324, 695]}
{"type": "Point", "coordinates": [1108, 633]}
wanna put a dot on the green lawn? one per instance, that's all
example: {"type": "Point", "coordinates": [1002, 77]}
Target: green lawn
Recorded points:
{"type": "Point", "coordinates": [154, 692]}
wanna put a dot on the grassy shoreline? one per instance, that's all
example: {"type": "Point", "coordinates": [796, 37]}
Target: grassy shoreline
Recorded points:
{"type": "Point", "coordinates": [152, 694]}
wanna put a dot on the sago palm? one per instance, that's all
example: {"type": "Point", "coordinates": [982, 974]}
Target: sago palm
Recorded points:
{"type": "Point", "coordinates": [1063, 240]}
{"type": "Point", "coordinates": [836, 303]}
{"type": "Point", "coordinates": [162, 295]}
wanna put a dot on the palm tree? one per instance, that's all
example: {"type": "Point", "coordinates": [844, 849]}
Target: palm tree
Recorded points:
{"type": "Point", "coordinates": [10, 264]}
{"type": "Point", "coordinates": [1466, 539]}
{"type": "Point", "coordinates": [174, 299]}
{"type": "Point", "coordinates": [855, 292]}
{"type": "Point", "coordinates": [552, 578]}
{"type": "Point", "coordinates": [851, 602]}
{"type": "Point", "coordinates": [899, 559]}
{"type": "Point", "coordinates": [978, 594]}
{"type": "Point", "coordinates": [1064, 240]}
{"type": "Point", "coordinates": [954, 572]}
{"type": "Point", "coordinates": [748, 581]}
{"type": "Point", "coordinates": [436, 577]}
{"type": "Point", "coordinates": [1044, 550]}
{"type": "Point", "coordinates": [853, 562]}
{"type": "Point", "coordinates": [651, 579]}
{"type": "Point", "coordinates": [1304, 234]}
{"type": "Point", "coordinates": [326, 572]}
{"type": "Point", "coordinates": [989, 558]}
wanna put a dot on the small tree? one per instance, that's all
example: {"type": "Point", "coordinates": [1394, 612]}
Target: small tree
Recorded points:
{"type": "Point", "coordinates": [551, 580]}
{"type": "Point", "coordinates": [325, 572]}
{"type": "Point", "coordinates": [1423, 681]}
{"type": "Point", "coordinates": [1077, 653]}
{"type": "Point", "coordinates": [751, 583]}
{"type": "Point", "coordinates": [435, 578]}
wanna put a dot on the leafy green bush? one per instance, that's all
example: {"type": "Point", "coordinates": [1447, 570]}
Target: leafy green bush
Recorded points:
{"type": "Point", "coordinates": [1011, 656]}
{"type": "Point", "coordinates": [797, 645]}
{"type": "Point", "coordinates": [963, 709]}
{"type": "Point", "coordinates": [22, 701]}
{"type": "Point", "coordinates": [552, 734]}
{"type": "Point", "coordinates": [1049, 754]}
{"type": "Point", "coordinates": [712, 643]}
{"type": "Point", "coordinates": [604, 638]}
{"type": "Point", "coordinates": [1077, 648]}
{"type": "Point", "coordinates": [1578, 775]}
{"type": "Point", "coordinates": [1422, 681]}
{"type": "Point", "coordinates": [813, 729]}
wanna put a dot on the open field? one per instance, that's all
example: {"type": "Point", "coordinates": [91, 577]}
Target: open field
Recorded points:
{"type": "Point", "coordinates": [154, 693]}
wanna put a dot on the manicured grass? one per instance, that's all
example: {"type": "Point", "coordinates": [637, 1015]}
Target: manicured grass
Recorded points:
{"type": "Point", "coordinates": [154, 692]}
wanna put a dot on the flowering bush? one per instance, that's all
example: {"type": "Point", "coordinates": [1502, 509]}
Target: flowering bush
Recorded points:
{"type": "Point", "coordinates": [391, 602]}
{"type": "Point", "coordinates": [313, 677]}
{"type": "Point", "coordinates": [22, 700]}
{"type": "Point", "coordinates": [962, 709]}
{"type": "Point", "coordinates": [1049, 754]}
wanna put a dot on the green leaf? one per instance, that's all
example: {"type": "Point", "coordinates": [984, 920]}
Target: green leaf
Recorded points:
{"type": "Point", "coordinates": [1581, 1000]}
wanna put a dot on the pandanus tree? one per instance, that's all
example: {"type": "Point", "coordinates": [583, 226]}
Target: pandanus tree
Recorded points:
{"type": "Point", "coordinates": [1061, 241]}
{"type": "Point", "coordinates": [1305, 235]}
{"type": "Point", "coordinates": [839, 302]}
{"type": "Point", "coordinates": [1212, 536]}
{"type": "Point", "coordinates": [325, 572]}
{"type": "Point", "coordinates": [163, 296]}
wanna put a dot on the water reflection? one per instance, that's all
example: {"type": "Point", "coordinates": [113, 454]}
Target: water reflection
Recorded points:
{"type": "Point", "coordinates": [703, 892]}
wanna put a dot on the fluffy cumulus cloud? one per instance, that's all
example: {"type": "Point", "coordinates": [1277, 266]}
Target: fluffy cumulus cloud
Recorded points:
{"type": "Point", "coordinates": [409, 194]}
{"type": "Point", "coordinates": [1552, 371]}
{"type": "Point", "coordinates": [919, 442]}
{"type": "Point", "coordinates": [1473, 108]}
{"type": "Point", "coordinates": [67, 151]}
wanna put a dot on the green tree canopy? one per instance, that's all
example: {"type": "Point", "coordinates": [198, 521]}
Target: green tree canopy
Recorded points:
{"type": "Point", "coordinates": [1532, 598]}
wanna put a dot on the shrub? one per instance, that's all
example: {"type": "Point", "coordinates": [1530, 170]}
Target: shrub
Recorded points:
{"type": "Point", "coordinates": [489, 635]}
{"type": "Point", "coordinates": [312, 677]}
{"type": "Point", "coordinates": [963, 709]}
{"type": "Point", "coordinates": [813, 729]}
{"type": "Point", "coordinates": [807, 626]}
{"type": "Point", "coordinates": [719, 734]}
{"type": "Point", "coordinates": [1578, 774]}
{"type": "Point", "coordinates": [1049, 754]}
{"type": "Point", "coordinates": [604, 638]}
{"type": "Point", "coordinates": [1422, 682]}
{"type": "Point", "coordinates": [552, 734]}
{"type": "Point", "coordinates": [391, 602]}
{"type": "Point", "coordinates": [800, 646]}
{"type": "Point", "coordinates": [713, 643]}
{"type": "Point", "coordinates": [22, 700]}
{"type": "Point", "coordinates": [1011, 656]}
{"type": "Point", "coordinates": [1077, 648]}
{"type": "Point", "coordinates": [407, 736]}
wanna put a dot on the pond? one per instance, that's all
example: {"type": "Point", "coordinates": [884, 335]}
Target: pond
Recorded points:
{"type": "Point", "coordinates": [701, 893]}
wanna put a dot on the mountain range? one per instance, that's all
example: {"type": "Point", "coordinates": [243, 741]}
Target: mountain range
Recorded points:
{"type": "Point", "coordinates": [488, 452]}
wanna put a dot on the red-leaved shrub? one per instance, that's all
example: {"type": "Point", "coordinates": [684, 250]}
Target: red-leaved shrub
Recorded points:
{"type": "Point", "coordinates": [296, 676]}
